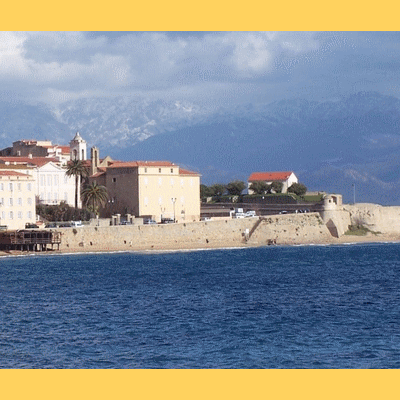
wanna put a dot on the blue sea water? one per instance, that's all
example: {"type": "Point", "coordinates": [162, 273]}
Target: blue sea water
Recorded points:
{"type": "Point", "coordinates": [273, 307]}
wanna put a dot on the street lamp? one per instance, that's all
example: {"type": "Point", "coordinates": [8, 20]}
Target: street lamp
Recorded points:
{"type": "Point", "coordinates": [173, 199]}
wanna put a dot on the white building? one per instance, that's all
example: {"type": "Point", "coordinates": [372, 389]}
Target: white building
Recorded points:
{"type": "Point", "coordinates": [287, 178]}
{"type": "Point", "coordinates": [17, 199]}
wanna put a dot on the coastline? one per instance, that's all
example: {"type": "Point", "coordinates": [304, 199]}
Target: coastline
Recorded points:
{"type": "Point", "coordinates": [188, 247]}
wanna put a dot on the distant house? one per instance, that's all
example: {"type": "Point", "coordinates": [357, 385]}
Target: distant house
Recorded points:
{"type": "Point", "coordinates": [287, 178]}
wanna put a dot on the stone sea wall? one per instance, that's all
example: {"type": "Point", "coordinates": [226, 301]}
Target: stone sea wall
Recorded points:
{"type": "Point", "coordinates": [375, 217]}
{"type": "Point", "coordinates": [280, 229]}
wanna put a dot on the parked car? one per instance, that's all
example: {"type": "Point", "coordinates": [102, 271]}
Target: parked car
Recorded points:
{"type": "Point", "coordinates": [250, 214]}
{"type": "Point", "coordinates": [167, 221]}
{"type": "Point", "coordinates": [125, 223]}
{"type": "Point", "coordinates": [31, 226]}
{"type": "Point", "coordinates": [51, 225]}
{"type": "Point", "coordinates": [76, 224]}
{"type": "Point", "coordinates": [240, 215]}
{"type": "Point", "coordinates": [149, 222]}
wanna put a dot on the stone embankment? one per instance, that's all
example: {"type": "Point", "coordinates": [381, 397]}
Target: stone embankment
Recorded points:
{"type": "Point", "coordinates": [258, 231]}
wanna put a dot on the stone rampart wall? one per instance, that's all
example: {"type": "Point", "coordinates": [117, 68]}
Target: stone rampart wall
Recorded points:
{"type": "Point", "coordinates": [284, 229]}
{"type": "Point", "coordinates": [376, 217]}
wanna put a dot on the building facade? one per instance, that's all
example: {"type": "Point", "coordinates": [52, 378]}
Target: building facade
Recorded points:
{"type": "Point", "coordinates": [150, 189]}
{"type": "Point", "coordinates": [17, 199]}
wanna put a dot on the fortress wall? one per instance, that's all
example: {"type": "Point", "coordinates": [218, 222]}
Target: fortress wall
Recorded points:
{"type": "Point", "coordinates": [285, 229]}
{"type": "Point", "coordinates": [291, 229]}
{"type": "Point", "coordinates": [376, 217]}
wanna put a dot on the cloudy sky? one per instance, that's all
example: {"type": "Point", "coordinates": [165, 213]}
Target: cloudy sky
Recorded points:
{"type": "Point", "coordinates": [217, 68]}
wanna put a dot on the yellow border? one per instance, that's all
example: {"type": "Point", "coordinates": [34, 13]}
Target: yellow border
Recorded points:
{"type": "Point", "coordinates": [207, 15]}
{"type": "Point", "coordinates": [200, 384]}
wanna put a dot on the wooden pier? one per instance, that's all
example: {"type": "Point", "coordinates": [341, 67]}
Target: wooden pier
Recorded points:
{"type": "Point", "coordinates": [30, 240]}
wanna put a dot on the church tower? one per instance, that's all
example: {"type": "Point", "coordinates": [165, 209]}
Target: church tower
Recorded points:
{"type": "Point", "coordinates": [78, 148]}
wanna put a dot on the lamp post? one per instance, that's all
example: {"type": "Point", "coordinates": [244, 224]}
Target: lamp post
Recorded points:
{"type": "Point", "coordinates": [173, 199]}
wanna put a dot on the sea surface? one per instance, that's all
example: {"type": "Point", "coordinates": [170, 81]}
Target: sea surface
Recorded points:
{"type": "Point", "coordinates": [272, 307]}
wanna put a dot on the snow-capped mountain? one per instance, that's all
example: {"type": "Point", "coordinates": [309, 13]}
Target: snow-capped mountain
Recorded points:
{"type": "Point", "coordinates": [330, 145]}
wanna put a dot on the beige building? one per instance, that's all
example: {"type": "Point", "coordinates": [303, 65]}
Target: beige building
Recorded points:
{"type": "Point", "coordinates": [17, 199]}
{"type": "Point", "coordinates": [150, 189]}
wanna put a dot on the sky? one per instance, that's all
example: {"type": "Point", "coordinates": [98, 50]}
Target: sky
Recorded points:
{"type": "Point", "coordinates": [209, 68]}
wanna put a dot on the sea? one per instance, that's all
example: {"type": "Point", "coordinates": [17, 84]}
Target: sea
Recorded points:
{"type": "Point", "coordinates": [274, 307]}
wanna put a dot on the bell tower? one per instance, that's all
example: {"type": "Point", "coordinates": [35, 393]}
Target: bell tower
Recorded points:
{"type": "Point", "coordinates": [78, 148]}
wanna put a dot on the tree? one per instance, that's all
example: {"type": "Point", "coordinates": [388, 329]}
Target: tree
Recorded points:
{"type": "Point", "coordinates": [78, 169]}
{"type": "Point", "coordinates": [205, 191]}
{"type": "Point", "coordinates": [235, 188]}
{"type": "Point", "coordinates": [218, 189]}
{"type": "Point", "coordinates": [298, 188]}
{"type": "Point", "coordinates": [94, 195]}
{"type": "Point", "coordinates": [277, 187]}
{"type": "Point", "coordinates": [260, 187]}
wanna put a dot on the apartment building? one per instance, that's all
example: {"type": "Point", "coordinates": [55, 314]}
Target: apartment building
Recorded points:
{"type": "Point", "coordinates": [17, 199]}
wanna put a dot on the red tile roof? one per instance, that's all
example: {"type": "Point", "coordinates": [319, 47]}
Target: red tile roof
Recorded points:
{"type": "Point", "coordinates": [187, 172]}
{"type": "Point", "coordinates": [270, 176]}
{"type": "Point", "coordinates": [124, 164]}
{"type": "Point", "coordinates": [38, 161]}
{"type": "Point", "coordinates": [12, 173]}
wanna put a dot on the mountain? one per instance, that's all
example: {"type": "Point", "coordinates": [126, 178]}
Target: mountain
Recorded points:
{"type": "Point", "coordinates": [330, 145]}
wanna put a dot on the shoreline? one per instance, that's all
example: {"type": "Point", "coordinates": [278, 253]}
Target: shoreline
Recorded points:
{"type": "Point", "coordinates": [167, 248]}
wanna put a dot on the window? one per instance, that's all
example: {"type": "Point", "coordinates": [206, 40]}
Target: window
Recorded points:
{"type": "Point", "coordinates": [10, 201]}
{"type": "Point", "coordinates": [3, 215]}
{"type": "Point", "coordinates": [19, 201]}
{"type": "Point", "coordinates": [172, 170]}
{"type": "Point", "coordinates": [19, 214]}
{"type": "Point", "coordinates": [114, 179]}
{"type": "Point", "coordinates": [159, 170]}
{"type": "Point", "coordinates": [11, 215]}
{"type": "Point", "coordinates": [29, 214]}
{"type": "Point", "coordinates": [29, 201]}
{"type": "Point", "coordinates": [29, 186]}
{"type": "Point", "coordinates": [1, 186]}
{"type": "Point", "coordinates": [19, 187]}
{"type": "Point", "coordinates": [49, 180]}
{"type": "Point", "coordinates": [42, 180]}
{"type": "Point", "coordinates": [145, 170]}
{"type": "Point", "coordinates": [10, 186]}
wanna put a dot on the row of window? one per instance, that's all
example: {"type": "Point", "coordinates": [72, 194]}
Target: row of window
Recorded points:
{"type": "Point", "coordinates": [19, 201]}
{"type": "Point", "coordinates": [171, 181]}
{"type": "Point", "coordinates": [160, 200]}
{"type": "Point", "coordinates": [51, 198]}
{"type": "Point", "coordinates": [159, 170]}
{"type": "Point", "coordinates": [11, 214]}
{"type": "Point", "coordinates": [11, 186]}
{"type": "Point", "coordinates": [51, 180]}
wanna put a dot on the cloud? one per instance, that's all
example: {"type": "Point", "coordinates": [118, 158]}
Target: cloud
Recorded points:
{"type": "Point", "coordinates": [207, 66]}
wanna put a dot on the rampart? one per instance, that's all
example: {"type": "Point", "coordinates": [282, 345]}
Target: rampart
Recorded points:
{"type": "Point", "coordinates": [280, 229]}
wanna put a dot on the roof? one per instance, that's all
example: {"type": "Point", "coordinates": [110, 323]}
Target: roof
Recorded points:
{"type": "Point", "coordinates": [38, 161]}
{"type": "Point", "coordinates": [64, 149]}
{"type": "Point", "coordinates": [97, 174]}
{"type": "Point", "coordinates": [270, 176]}
{"type": "Point", "coordinates": [187, 172]}
{"type": "Point", "coordinates": [125, 164]}
{"type": "Point", "coordinates": [12, 173]}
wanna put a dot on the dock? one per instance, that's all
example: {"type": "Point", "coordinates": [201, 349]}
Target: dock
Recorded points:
{"type": "Point", "coordinates": [30, 240]}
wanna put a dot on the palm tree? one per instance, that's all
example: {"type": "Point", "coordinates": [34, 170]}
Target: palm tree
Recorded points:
{"type": "Point", "coordinates": [94, 195]}
{"type": "Point", "coordinates": [79, 170]}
